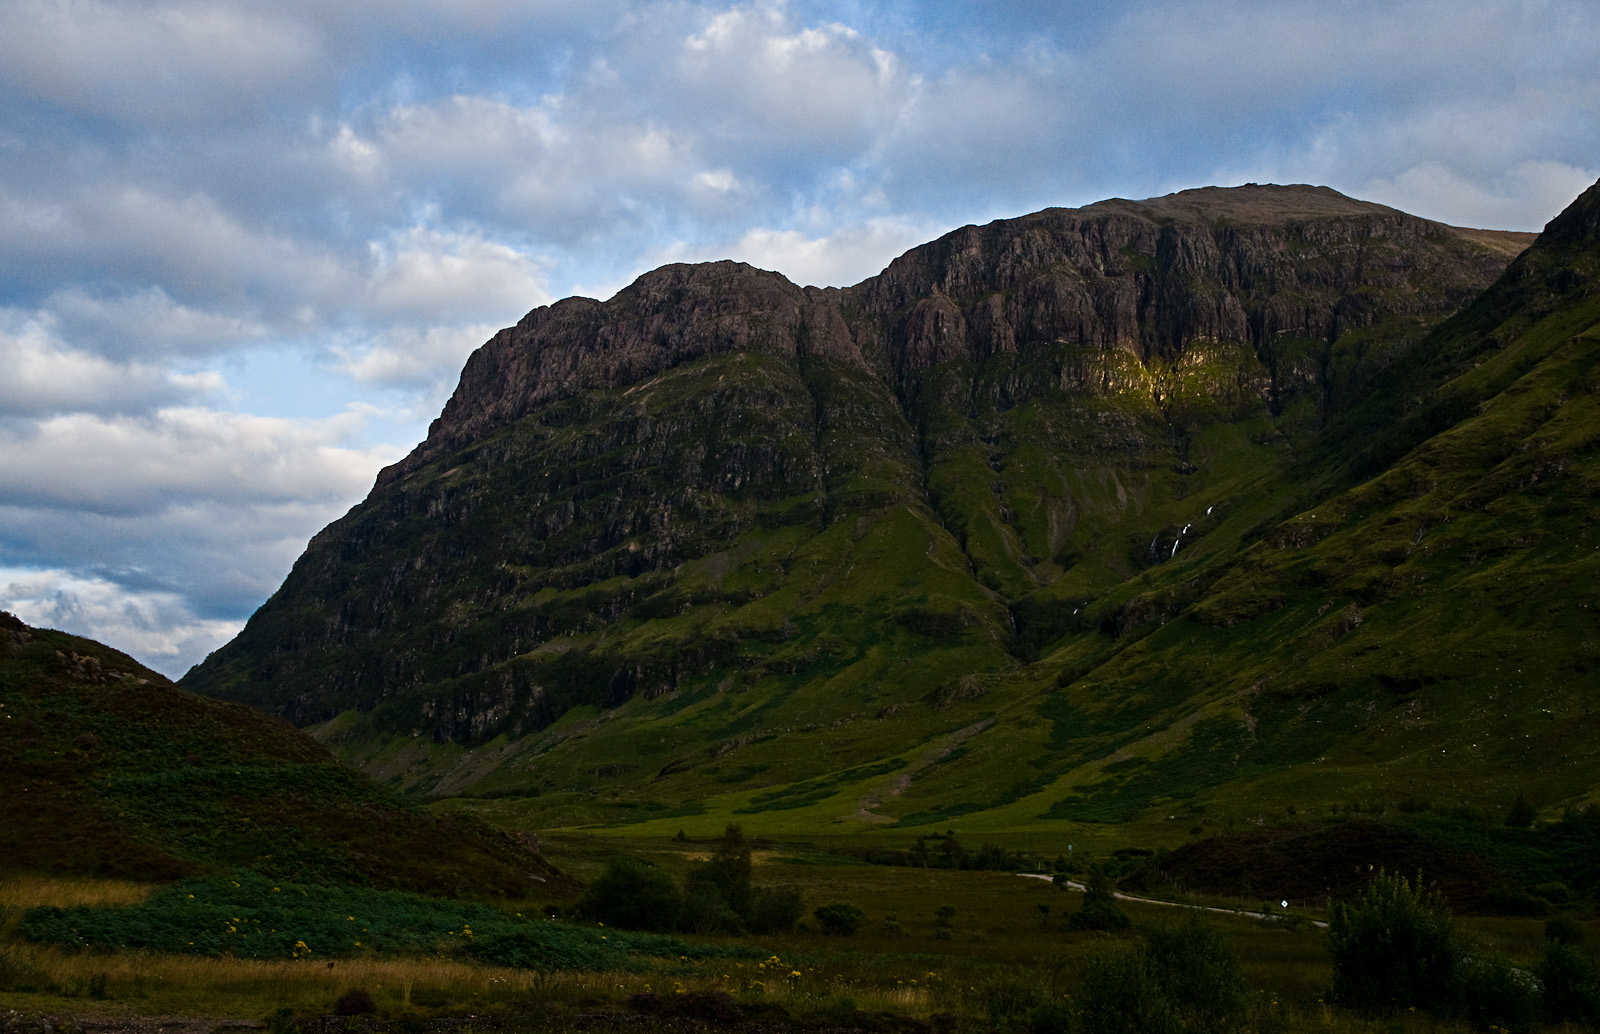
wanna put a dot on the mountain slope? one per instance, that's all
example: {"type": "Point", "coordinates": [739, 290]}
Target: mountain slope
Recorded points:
{"type": "Point", "coordinates": [1034, 523]}
{"type": "Point", "coordinates": [110, 769]}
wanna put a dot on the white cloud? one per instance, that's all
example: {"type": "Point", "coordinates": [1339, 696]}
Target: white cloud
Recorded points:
{"type": "Point", "coordinates": [428, 358]}
{"type": "Point", "coordinates": [156, 627]}
{"type": "Point", "coordinates": [435, 275]}
{"type": "Point", "coordinates": [153, 62]}
{"type": "Point", "coordinates": [1524, 198]}
{"type": "Point", "coordinates": [133, 464]}
{"type": "Point", "coordinates": [45, 376]}
{"type": "Point", "coordinates": [146, 322]}
{"type": "Point", "coordinates": [846, 256]}
{"type": "Point", "coordinates": [185, 520]}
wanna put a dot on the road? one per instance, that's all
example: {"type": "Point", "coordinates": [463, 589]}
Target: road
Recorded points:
{"type": "Point", "coordinates": [1265, 916]}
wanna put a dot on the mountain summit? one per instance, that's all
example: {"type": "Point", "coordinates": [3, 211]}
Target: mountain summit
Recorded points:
{"type": "Point", "coordinates": [1064, 517]}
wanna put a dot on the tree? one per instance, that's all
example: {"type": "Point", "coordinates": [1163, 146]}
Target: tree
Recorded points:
{"type": "Point", "coordinates": [727, 871]}
{"type": "Point", "coordinates": [1521, 814]}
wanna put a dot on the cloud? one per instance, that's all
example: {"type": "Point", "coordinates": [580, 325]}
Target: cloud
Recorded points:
{"type": "Point", "coordinates": [144, 464]}
{"type": "Point", "coordinates": [846, 256]}
{"type": "Point", "coordinates": [185, 520]}
{"type": "Point", "coordinates": [158, 63]}
{"type": "Point", "coordinates": [434, 275]}
{"type": "Point", "coordinates": [156, 627]}
{"type": "Point", "coordinates": [429, 359]}
{"type": "Point", "coordinates": [44, 376]}
{"type": "Point", "coordinates": [1525, 197]}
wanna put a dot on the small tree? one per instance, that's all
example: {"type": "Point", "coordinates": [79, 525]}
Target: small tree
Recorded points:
{"type": "Point", "coordinates": [728, 870]}
{"type": "Point", "coordinates": [1394, 949]}
{"type": "Point", "coordinates": [1521, 813]}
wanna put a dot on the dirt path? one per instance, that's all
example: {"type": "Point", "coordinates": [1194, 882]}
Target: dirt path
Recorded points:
{"type": "Point", "coordinates": [1265, 916]}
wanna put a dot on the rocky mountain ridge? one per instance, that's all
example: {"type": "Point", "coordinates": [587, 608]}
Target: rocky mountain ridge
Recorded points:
{"type": "Point", "coordinates": [722, 533]}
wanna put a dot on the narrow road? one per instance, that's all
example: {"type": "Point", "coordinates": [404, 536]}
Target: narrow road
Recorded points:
{"type": "Point", "coordinates": [1265, 916]}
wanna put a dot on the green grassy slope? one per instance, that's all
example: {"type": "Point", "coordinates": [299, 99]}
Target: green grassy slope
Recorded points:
{"type": "Point", "coordinates": [1022, 590]}
{"type": "Point", "coordinates": [109, 769]}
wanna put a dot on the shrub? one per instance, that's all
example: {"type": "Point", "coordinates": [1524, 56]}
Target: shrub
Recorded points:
{"type": "Point", "coordinates": [1393, 949]}
{"type": "Point", "coordinates": [1571, 984]}
{"type": "Point", "coordinates": [1515, 903]}
{"type": "Point", "coordinates": [1180, 978]}
{"type": "Point", "coordinates": [1099, 910]}
{"type": "Point", "coordinates": [839, 918]}
{"type": "Point", "coordinates": [1197, 971]}
{"type": "Point", "coordinates": [1556, 893]}
{"type": "Point", "coordinates": [774, 910]}
{"type": "Point", "coordinates": [1119, 995]}
{"type": "Point", "coordinates": [1493, 994]}
{"type": "Point", "coordinates": [634, 895]}
{"type": "Point", "coordinates": [1563, 930]}
{"type": "Point", "coordinates": [705, 911]}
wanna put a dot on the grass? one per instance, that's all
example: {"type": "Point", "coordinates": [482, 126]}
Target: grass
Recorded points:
{"type": "Point", "coordinates": [1000, 948]}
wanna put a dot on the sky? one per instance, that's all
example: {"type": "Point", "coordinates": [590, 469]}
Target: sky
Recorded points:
{"type": "Point", "coordinates": [245, 247]}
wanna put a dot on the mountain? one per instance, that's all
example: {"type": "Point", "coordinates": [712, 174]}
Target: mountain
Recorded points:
{"type": "Point", "coordinates": [110, 769]}
{"type": "Point", "coordinates": [1183, 510]}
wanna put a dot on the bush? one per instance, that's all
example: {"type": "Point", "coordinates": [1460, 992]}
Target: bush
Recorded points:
{"type": "Point", "coordinates": [1563, 930]}
{"type": "Point", "coordinates": [1197, 971]}
{"type": "Point", "coordinates": [1521, 814]}
{"type": "Point", "coordinates": [1515, 903]}
{"type": "Point", "coordinates": [1556, 893]}
{"type": "Point", "coordinates": [839, 918]}
{"type": "Point", "coordinates": [1493, 994]}
{"type": "Point", "coordinates": [1099, 910]}
{"type": "Point", "coordinates": [1180, 978]}
{"type": "Point", "coordinates": [1120, 996]}
{"type": "Point", "coordinates": [774, 910]}
{"type": "Point", "coordinates": [705, 911]}
{"type": "Point", "coordinates": [1571, 984]}
{"type": "Point", "coordinates": [1394, 949]}
{"type": "Point", "coordinates": [634, 895]}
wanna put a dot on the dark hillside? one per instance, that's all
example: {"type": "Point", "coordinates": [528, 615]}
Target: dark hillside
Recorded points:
{"type": "Point", "coordinates": [109, 769]}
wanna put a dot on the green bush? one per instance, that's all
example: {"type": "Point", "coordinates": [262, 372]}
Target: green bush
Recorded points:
{"type": "Point", "coordinates": [1099, 910]}
{"type": "Point", "coordinates": [245, 915]}
{"type": "Point", "coordinates": [839, 918]}
{"type": "Point", "coordinates": [1494, 994]}
{"type": "Point", "coordinates": [1197, 971]}
{"type": "Point", "coordinates": [634, 895]}
{"type": "Point", "coordinates": [706, 911]}
{"type": "Point", "coordinates": [1394, 949]}
{"type": "Point", "coordinates": [1180, 978]}
{"type": "Point", "coordinates": [774, 910]}
{"type": "Point", "coordinates": [1571, 984]}
{"type": "Point", "coordinates": [1563, 930]}
{"type": "Point", "coordinates": [1121, 996]}
{"type": "Point", "coordinates": [1555, 892]}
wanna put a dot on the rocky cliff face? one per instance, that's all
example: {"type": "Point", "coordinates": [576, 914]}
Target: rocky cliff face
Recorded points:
{"type": "Point", "coordinates": [721, 510]}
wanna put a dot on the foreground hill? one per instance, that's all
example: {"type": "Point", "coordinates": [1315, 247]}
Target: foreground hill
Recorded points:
{"type": "Point", "coordinates": [110, 769]}
{"type": "Point", "coordinates": [1092, 515]}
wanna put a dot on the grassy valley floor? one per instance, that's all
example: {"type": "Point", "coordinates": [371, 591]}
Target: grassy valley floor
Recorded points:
{"type": "Point", "coordinates": [989, 965]}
